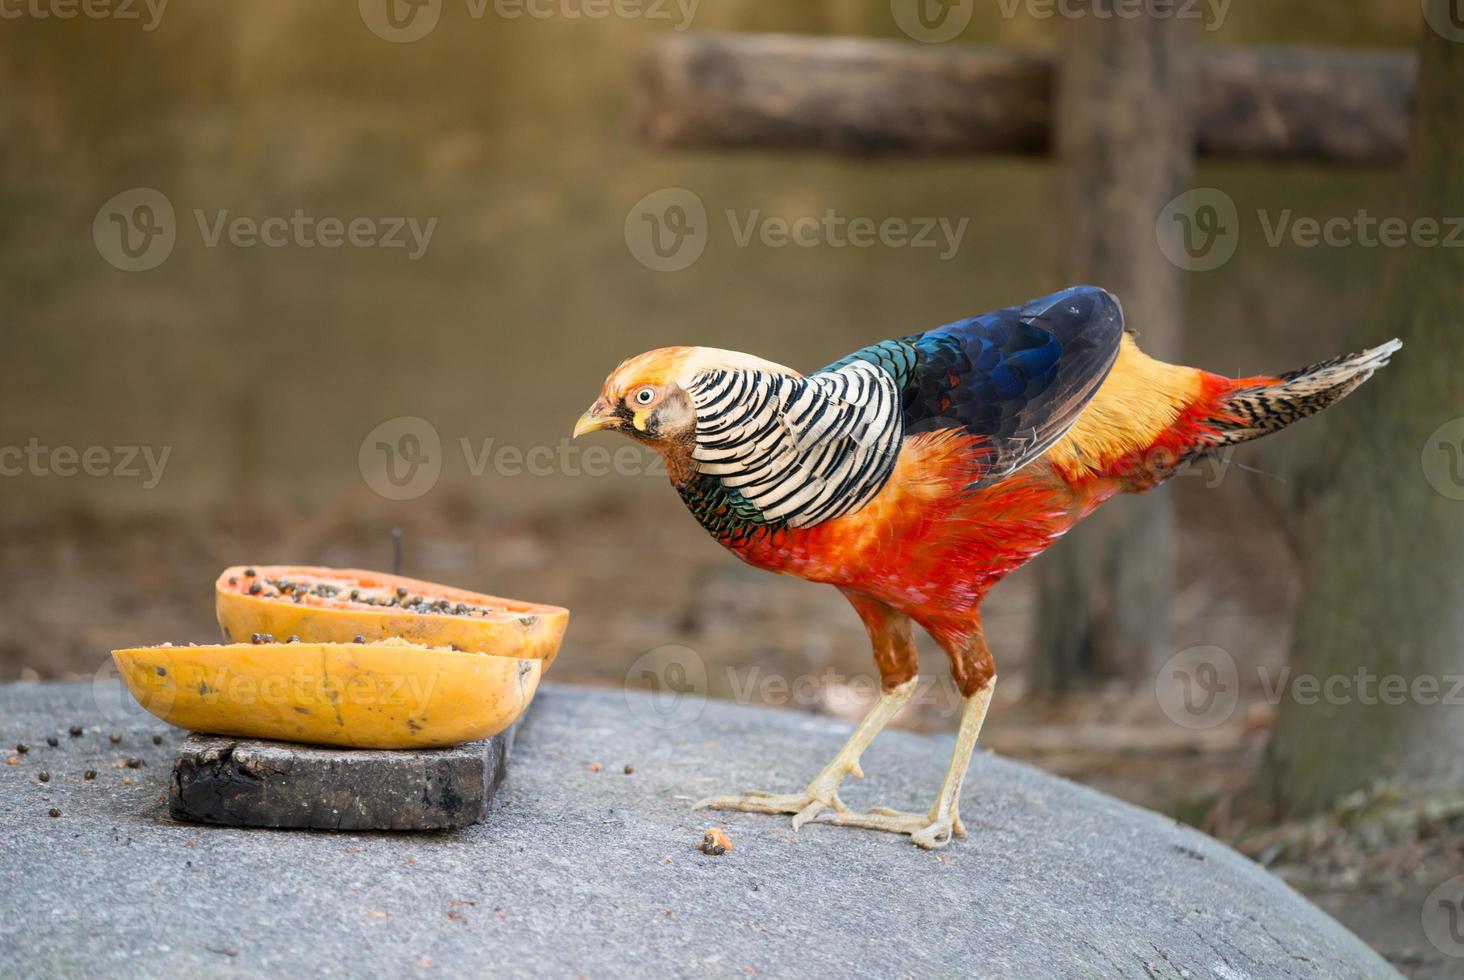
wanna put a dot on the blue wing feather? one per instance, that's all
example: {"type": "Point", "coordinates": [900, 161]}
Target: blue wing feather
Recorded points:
{"type": "Point", "coordinates": [1017, 377]}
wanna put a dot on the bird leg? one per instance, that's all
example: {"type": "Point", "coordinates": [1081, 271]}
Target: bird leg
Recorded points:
{"type": "Point", "coordinates": [943, 822]}
{"type": "Point", "coordinates": [823, 792]}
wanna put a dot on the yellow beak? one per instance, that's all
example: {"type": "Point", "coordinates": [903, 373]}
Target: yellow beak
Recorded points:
{"type": "Point", "coordinates": [590, 422]}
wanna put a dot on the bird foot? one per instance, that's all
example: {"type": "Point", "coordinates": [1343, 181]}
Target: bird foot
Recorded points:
{"type": "Point", "coordinates": [805, 806]}
{"type": "Point", "coordinates": [928, 830]}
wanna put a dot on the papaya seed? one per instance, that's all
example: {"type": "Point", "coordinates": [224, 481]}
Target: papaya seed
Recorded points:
{"type": "Point", "coordinates": [255, 589]}
{"type": "Point", "coordinates": [43, 776]}
{"type": "Point", "coordinates": [358, 638]}
{"type": "Point", "coordinates": [75, 731]}
{"type": "Point", "coordinates": [157, 740]}
{"type": "Point", "coordinates": [134, 763]}
{"type": "Point", "coordinates": [21, 748]}
{"type": "Point", "coordinates": [54, 812]}
{"type": "Point", "coordinates": [250, 573]}
{"type": "Point", "coordinates": [89, 775]}
{"type": "Point", "coordinates": [114, 738]}
{"type": "Point", "coordinates": [53, 741]}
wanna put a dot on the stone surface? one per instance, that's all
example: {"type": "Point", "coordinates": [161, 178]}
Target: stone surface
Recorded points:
{"type": "Point", "coordinates": [585, 870]}
{"type": "Point", "coordinates": [256, 783]}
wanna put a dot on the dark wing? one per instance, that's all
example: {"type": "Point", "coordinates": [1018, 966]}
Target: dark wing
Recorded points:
{"type": "Point", "coordinates": [1017, 377]}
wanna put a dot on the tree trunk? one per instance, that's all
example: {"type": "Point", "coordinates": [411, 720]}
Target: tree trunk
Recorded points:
{"type": "Point", "coordinates": [1125, 145]}
{"type": "Point", "coordinates": [1384, 561]}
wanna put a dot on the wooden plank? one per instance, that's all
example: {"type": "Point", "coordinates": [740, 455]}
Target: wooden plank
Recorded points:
{"type": "Point", "coordinates": [871, 98]}
{"type": "Point", "coordinates": [256, 783]}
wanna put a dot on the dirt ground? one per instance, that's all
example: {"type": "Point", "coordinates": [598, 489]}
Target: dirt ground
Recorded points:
{"type": "Point", "coordinates": [646, 591]}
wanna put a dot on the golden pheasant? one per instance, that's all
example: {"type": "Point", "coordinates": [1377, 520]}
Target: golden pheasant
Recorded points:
{"type": "Point", "coordinates": [915, 474]}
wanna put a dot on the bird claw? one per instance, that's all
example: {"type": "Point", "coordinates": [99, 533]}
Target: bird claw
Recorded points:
{"type": "Point", "coordinates": [805, 807]}
{"type": "Point", "coordinates": [927, 830]}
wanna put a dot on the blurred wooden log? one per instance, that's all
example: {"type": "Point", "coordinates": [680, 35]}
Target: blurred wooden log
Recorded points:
{"type": "Point", "coordinates": [869, 98]}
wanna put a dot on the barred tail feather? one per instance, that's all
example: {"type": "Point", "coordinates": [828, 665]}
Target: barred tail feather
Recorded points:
{"type": "Point", "coordinates": [1255, 410]}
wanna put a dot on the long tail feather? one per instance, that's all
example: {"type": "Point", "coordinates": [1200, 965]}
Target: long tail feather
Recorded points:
{"type": "Point", "coordinates": [1255, 411]}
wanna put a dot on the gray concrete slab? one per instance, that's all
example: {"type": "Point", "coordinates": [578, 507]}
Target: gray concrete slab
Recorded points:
{"type": "Point", "coordinates": [250, 782]}
{"type": "Point", "coordinates": [587, 871]}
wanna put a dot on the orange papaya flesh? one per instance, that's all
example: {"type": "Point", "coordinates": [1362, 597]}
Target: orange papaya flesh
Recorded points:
{"type": "Point", "coordinates": [343, 605]}
{"type": "Point", "coordinates": [390, 694]}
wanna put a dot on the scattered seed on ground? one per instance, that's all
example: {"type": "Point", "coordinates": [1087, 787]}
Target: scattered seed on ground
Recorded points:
{"type": "Point", "coordinates": [75, 731]}
{"type": "Point", "coordinates": [157, 740]}
{"type": "Point", "coordinates": [629, 769]}
{"type": "Point", "coordinates": [54, 812]}
{"type": "Point", "coordinates": [53, 741]}
{"type": "Point", "coordinates": [43, 776]}
{"type": "Point", "coordinates": [89, 774]}
{"type": "Point", "coordinates": [21, 748]}
{"type": "Point", "coordinates": [134, 763]}
{"type": "Point", "coordinates": [114, 738]}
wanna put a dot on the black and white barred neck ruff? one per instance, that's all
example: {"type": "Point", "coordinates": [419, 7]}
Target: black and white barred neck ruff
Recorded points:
{"type": "Point", "coordinates": [800, 450]}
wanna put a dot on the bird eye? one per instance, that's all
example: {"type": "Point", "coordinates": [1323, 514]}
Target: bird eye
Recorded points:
{"type": "Point", "coordinates": [644, 396]}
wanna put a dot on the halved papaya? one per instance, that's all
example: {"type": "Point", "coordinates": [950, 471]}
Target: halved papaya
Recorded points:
{"type": "Point", "coordinates": [386, 695]}
{"type": "Point", "coordinates": [325, 605]}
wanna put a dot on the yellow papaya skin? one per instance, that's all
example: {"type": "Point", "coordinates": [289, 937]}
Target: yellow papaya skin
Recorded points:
{"type": "Point", "coordinates": [500, 627]}
{"type": "Point", "coordinates": [366, 696]}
